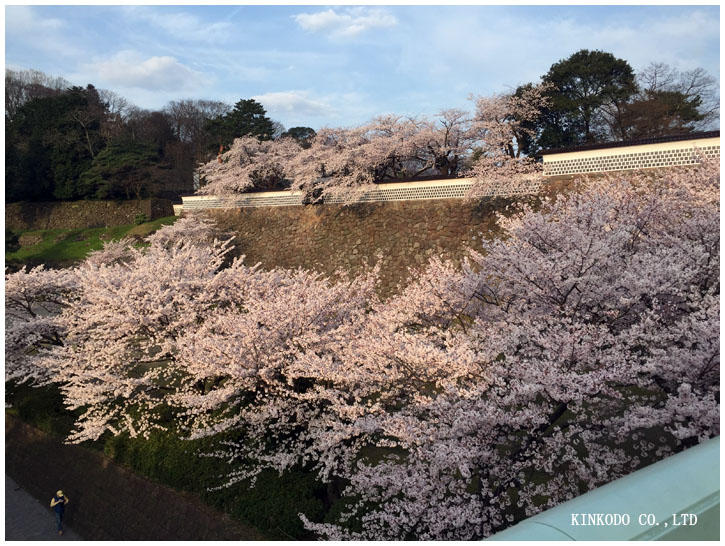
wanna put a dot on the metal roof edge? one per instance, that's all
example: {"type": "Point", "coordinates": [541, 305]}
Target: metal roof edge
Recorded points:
{"type": "Point", "coordinates": [626, 143]}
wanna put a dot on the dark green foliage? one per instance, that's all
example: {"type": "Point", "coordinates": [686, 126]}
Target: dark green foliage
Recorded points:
{"type": "Point", "coordinates": [302, 135]}
{"type": "Point", "coordinates": [584, 83]}
{"type": "Point", "coordinates": [339, 507]}
{"type": "Point", "coordinates": [586, 88]}
{"type": "Point", "coordinates": [67, 168]}
{"type": "Point", "coordinates": [28, 174]}
{"type": "Point", "coordinates": [659, 113]}
{"type": "Point", "coordinates": [12, 243]}
{"type": "Point", "coordinates": [162, 458]}
{"type": "Point", "coordinates": [15, 175]}
{"type": "Point", "coordinates": [50, 142]}
{"type": "Point", "coordinates": [247, 118]}
{"type": "Point", "coordinates": [271, 505]}
{"type": "Point", "coordinates": [526, 142]}
{"type": "Point", "coordinates": [595, 98]}
{"type": "Point", "coordinates": [121, 171]}
{"type": "Point", "coordinates": [56, 136]}
{"type": "Point", "coordinates": [41, 407]}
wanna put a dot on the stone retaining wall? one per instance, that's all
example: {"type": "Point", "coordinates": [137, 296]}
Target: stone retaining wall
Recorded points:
{"type": "Point", "coordinates": [26, 216]}
{"type": "Point", "coordinates": [327, 237]}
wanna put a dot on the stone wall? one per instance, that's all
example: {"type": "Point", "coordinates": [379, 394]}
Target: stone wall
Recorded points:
{"type": "Point", "coordinates": [327, 237]}
{"type": "Point", "coordinates": [27, 216]}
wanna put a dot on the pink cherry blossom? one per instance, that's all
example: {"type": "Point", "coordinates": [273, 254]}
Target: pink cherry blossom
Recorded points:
{"type": "Point", "coordinates": [580, 345]}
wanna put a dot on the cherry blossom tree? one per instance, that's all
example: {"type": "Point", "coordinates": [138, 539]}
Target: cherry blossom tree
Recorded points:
{"type": "Point", "coordinates": [249, 164]}
{"type": "Point", "coordinates": [500, 123]}
{"type": "Point", "coordinates": [583, 344]}
{"type": "Point", "coordinates": [563, 356]}
{"type": "Point", "coordinates": [108, 339]}
{"type": "Point", "coordinates": [578, 347]}
{"type": "Point", "coordinates": [342, 163]}
{"type": "Point", "coordinates": [446, 142]}
{"type": "Point", "coordinates": [33, 300]}
{"type": "Point", "coordinates": [253, 360]}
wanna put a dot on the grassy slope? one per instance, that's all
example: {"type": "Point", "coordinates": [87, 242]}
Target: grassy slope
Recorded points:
{"type": "Point", "coordinates": [64, 247]}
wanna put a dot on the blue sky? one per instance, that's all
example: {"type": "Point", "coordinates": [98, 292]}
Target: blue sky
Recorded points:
{"type": "Point", "coordinates": [342, 65]}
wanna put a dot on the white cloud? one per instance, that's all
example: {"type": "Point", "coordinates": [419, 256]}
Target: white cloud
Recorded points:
{"type": "Point", "coordinates": [129, 69]}
{"type": "Point", "coordinates": [25, 26]}
{"type": "Point", "coordinates": [303, 108]}
{"type": "Point", "coordinates": [672, 39]}
{"type": "Point", "coordinates": [350, 23]}
{"type": "Point", "coordinates": [25, 17]}
{"type": "Point", "coordinates": [296, 103]}
{"type": "Point", "coordinates": [519, 49]}
{"type": "Point", "coordinates": [181, 25]}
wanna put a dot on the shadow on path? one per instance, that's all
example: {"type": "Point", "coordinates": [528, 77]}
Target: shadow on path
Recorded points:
{"type": "Point", "coordinates": [26, 518]}
{"type": "Point", "coordinates": [107, 501]}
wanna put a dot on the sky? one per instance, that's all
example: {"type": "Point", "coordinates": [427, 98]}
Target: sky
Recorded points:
{"type": "Point", "coordinates": [342, 65]}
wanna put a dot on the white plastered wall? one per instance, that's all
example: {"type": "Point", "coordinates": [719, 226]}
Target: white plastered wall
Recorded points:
{"type": "Point", "coordinates": [643, 156]}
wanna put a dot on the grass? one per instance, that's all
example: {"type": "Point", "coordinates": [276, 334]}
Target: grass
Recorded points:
{"type": "Point", "coordinates": [65, 247]}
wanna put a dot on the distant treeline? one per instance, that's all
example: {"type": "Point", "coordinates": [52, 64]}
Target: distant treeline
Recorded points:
{"type": "Point", "coordinates": [65, 142]}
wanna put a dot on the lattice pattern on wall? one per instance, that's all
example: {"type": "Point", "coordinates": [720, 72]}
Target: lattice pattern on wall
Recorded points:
{"type": "Point", "coordinates": [622, 161]}
{"type": "Point", "coordinates": [590, 161]}
{"type": "Point", "coordinates": [411, 191]}
{"type": "Point", "coordinates": [401, 192]}
{"type": "Point", "coordinates": [265, 199]}
{"type": "Point", "coordinates": [507, 188]}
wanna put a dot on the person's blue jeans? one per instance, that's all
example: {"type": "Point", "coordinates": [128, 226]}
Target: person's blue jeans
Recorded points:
{"type": "Point", "coordinates": [59, 520]}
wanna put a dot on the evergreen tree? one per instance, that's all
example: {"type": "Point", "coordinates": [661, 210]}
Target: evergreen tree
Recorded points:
{"type": "Point", "coordinates": [659, 113]}
{"type": "Point", "coordinates": [122, 170]}
{"type": "Point", "coordinates": [583, 91]}
{"type": "Point", "coordinates": [247, 118]}
{"type": "Point", "coordinates": [50, 142]}
{"type": "Point", "coordinates": [302, 135]}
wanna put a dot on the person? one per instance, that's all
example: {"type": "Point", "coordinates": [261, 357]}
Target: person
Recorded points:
{"type": "Point", "coordinates": [58, 503]}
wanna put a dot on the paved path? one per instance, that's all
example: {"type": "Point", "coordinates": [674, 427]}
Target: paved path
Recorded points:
{"type": "Point", "coordinates": [108, 501]}
{"type": "Point", "coordinates": [27, 519]}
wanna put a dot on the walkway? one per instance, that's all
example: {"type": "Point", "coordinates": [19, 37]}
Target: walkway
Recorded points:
{"type": "Point", "coordinates": [108, 501]}
{"type": "Point", "coordinates": [27, 519]}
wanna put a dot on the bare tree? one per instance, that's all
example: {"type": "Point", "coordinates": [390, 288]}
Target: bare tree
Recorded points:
{"type": "Point", "coordinates": [279, 129]}
{"type": "Point", "coordinates": [188, 119]}
{"type": "Point", "coordinates": [24, 85]}
{"type": "Point", "coordinates": [668, 101]}
{"type": "Point", "coordinates": [699, 83]}
{"type": "Point", "coordinates": [118, 110]}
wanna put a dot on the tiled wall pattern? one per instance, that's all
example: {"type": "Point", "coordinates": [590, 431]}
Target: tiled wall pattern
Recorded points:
{"type": "Point", "coordinates": [645, 156]}
{"type": "Point", "coordinates": [620, 159]}
{"type": "Point", "coordinates": [404, 191]}
{"type": "Point", "coordinates": [262, 199]}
